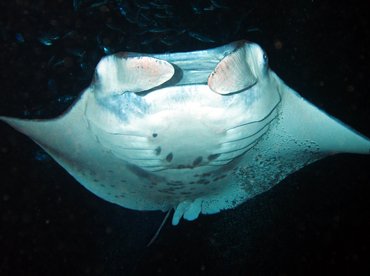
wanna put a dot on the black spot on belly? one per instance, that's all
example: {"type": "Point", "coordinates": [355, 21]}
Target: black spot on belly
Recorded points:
{"type": "Point", "coordinates": [155, 135]}
{"type": "Point", "coordinates": [158, 151]}
{"type": "Point", "coordinates": [169, 157]}
{"type": "Point", "coordinates": [213, 156]}
{"type": "Point", "coordinates": [197, 161]}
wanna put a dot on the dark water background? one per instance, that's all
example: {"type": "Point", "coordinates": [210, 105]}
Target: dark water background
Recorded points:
{"type": "Point", "coordinates": [315, 222]}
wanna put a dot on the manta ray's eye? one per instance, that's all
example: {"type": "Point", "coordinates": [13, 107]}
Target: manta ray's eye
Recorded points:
{"type": "Point", "coordinates": [265, 58]}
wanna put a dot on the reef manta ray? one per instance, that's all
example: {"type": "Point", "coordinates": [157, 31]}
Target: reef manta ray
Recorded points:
{"type": "Point", "coordinates": [199, 131]}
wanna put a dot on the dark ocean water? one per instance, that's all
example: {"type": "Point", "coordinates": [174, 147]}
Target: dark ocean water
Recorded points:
{"type": "Point", "coordinates": [315, 222]}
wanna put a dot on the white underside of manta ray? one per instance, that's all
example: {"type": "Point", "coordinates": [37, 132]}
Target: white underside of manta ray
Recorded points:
{"type": "Point", "coordinates": [199, 131]}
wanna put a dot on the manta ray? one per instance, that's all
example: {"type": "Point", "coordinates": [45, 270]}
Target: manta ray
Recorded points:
{"type": "Point", "coordinates": [197, 132]}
